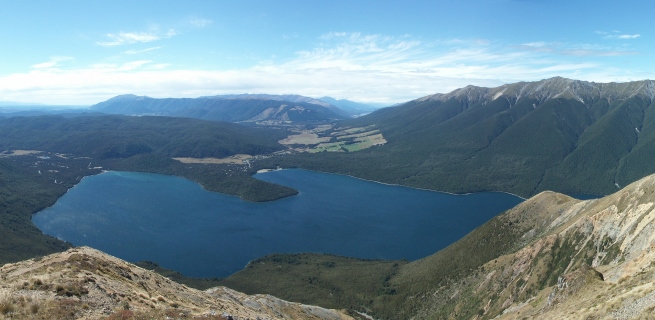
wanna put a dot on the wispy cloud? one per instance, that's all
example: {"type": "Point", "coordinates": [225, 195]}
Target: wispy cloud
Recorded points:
{"type": "Point", "coordinates": [373, 68]}
{"type": "Point", "coordinates": [142, 50]}
{"type": "Point", "coordinates": [615, 34]}
{"type": "Point", "coordinates": [53, 62]}
{"type": "Point", "coordinates": [624, 36]}
{"type": "Point", "coordinates": [578, 50]}
{"type": "Point", "coordinates": [123, 38]}
{"type": "Point", "coordinates": [200, 22]}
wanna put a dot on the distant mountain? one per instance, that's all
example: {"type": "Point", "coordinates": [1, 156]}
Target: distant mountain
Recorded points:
{"type": "Point", "coordinates": [236, 108]}
{"type": "Point", "coordinates": [556, 134]}
{"type": "Point", "coordinates": [350, 107]}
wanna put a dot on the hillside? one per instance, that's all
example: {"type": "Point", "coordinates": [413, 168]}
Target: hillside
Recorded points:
{"type": "Point", "coordinates": [89, 284]}
{"type": "Point", "coordinates": [558, 134]}
{"type": "Point", "coordinates": [236, 108]}
{"type": "Point", "coordinates": [550, 257]}
{"type": "Point", "coordinates": [105, 137]}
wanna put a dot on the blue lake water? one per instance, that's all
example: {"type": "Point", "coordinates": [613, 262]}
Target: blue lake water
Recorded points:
{"type": "Point", "coordinates": [179, 225]}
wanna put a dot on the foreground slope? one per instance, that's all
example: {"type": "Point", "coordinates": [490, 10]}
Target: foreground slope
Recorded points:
{"type": "Point", "coordinates": [86, 283]}
{"type": "Point", "coordinates": [556, 134]}
{"type": "Point", "coordinates": [550, 257]}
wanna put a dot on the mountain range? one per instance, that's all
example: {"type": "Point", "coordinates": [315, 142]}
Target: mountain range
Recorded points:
{"type": "Point", "coordinates": [253, 108]}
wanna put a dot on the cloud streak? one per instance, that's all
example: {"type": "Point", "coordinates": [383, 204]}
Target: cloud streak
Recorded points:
{"type": "Point", "coordinates": [126, 38]}
{"type": "Point", "coordinates": [53, 62]}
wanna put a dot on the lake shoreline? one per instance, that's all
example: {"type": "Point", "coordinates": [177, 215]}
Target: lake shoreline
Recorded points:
{"type": "Point", "coordinates": [391, 184]}
{"type": "Point", "coordinates": [133, 215]}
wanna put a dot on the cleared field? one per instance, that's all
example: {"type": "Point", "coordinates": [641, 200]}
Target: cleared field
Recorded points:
{"type": "Point", "coordinates": [305, 137]}
{"type": "Point", "coordinates": [359, 135]}
{"type": "Point", "coordinates": [356, 144]}
{"type": "Point", "coordinates": [346, 131]}
{"type": "Point", "coordinates": [235, 159]}
{"type": "Point", "coordinates": [15, 153]}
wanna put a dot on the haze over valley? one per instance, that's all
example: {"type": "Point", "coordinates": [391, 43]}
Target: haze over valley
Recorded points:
{"type": "Point", "coordinates": [306, 160]}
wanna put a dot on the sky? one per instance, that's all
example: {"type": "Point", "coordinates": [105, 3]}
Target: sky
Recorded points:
{"type": "Point", "coordinates": [84, 52]}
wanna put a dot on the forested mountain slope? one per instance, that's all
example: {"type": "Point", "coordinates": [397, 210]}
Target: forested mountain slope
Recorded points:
{"type": "Point", "coordinates": [556, 134]}
{"type": "Point", "coordinates": [119, 136]}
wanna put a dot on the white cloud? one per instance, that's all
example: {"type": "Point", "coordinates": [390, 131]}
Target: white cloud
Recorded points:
{"type": "Point", "coordinates": [368, 68]}
{"type": "Point", "coordinates": [615, 34]}
{"type": "Point", "coordinates": [199, 22]}
{"type": "Point", "coordinates": [142, 50]}
{"type": "Point", "coordinates": [579, 50]}
{"type": "Point", "coordinates": [629, 36]}
{"type": "Point", "coordinates": [53, 62]}
{"type": "Point", "coordinates": [123, 38]}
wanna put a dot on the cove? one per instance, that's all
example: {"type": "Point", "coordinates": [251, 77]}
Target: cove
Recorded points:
{"type": "Point", "coordinates": [179, 225]}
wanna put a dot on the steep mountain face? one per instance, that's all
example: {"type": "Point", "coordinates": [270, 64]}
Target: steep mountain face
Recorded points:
{"type": "Point", "coordinates": [573, 259]}
{"type": "Point", "coordinates": [89, 284]}
{"type": "Point", "coordinates": [236, 108]}
{"type": "Point", "coordinates": [551, 257]}
{"type": "Point", "coordinates": [555, 134]}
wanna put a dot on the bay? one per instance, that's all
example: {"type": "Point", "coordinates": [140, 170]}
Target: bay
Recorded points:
{"type": "Point", "coordinates": [177, 224]}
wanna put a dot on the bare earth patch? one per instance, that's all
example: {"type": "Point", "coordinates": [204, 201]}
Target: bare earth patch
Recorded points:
{"type": "Point", "coordinates": [15, 153]}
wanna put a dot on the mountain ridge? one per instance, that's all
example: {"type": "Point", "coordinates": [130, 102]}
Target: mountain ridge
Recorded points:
{"type": "Point", "coordinates": [251, 109]}
{"type": "Point", "coordinates": [556, 87]}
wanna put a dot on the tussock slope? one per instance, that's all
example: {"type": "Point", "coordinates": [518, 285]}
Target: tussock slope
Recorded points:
{"type": "Point", "coordinates": [579, 259]}
{"type": "Point", "coordinates": [89, 284]}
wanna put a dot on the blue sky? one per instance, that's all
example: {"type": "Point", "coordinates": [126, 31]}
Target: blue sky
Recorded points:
{"type": "Point", "coordinates": [84, 52]}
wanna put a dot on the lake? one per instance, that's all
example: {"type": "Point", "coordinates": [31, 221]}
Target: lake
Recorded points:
{"type": "Point", "coordinates": [179, 225]}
